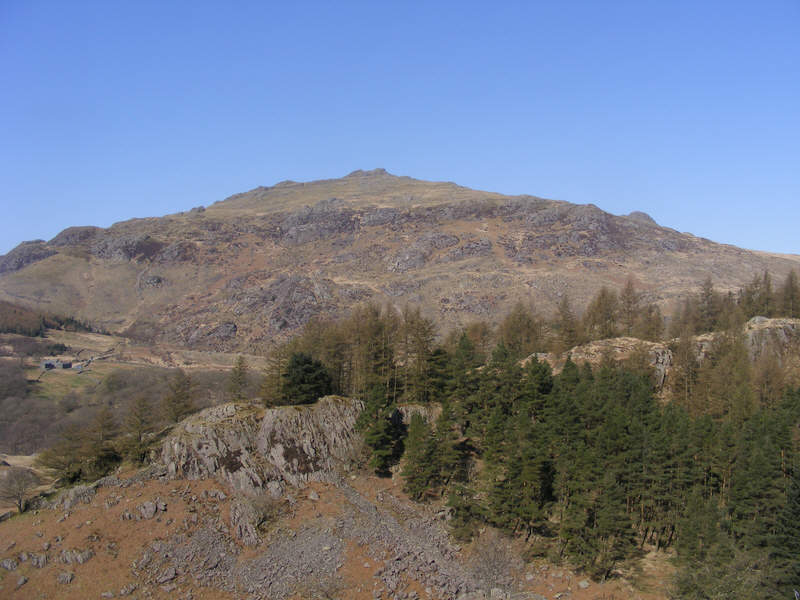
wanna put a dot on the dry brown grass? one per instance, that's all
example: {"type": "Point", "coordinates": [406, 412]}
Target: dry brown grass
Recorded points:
{"type": "Point", "coordinates": [116, 543]}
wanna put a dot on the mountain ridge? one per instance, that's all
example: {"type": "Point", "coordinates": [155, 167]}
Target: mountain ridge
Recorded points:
{"type": "Point", "coordinates": [249, 270]}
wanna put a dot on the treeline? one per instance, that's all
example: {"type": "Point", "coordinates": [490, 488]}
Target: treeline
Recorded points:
{"type": "Point", "coordinates": [90, 434]}
{"type": "Point", "coordinates": [24, 321]}
{"type": "Point", "coordinates": [402, 353]}
{"type": "Point", "coordinates": [585, 466]}
{"type": "Point", "coordinates": [711, 310]}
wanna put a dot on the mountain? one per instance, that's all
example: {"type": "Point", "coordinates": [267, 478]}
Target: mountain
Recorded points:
{"type": "Point", "coordinates": [251, 269]}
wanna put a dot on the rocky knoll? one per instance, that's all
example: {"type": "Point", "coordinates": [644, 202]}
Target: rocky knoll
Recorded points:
{"type": "Point", "coordinates": [250, 270]}
{"type": "Point", "coordinates": [256, 449]}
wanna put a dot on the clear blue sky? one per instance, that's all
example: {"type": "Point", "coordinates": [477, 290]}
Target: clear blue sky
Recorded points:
{"type": "Point", "coordinates": [689, 111]}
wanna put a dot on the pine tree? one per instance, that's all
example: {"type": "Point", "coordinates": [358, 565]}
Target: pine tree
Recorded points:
{"type": "Point", "coordinates": [784, 547]}
{"type": "Point", "coordinates": [305, 380]}
{"type": "Point", "coordinates": [629, 309]}
{"type": "Point", "coordinates": [138, 423]}
{"type": "Point", "coordinates": [237, 382]}
{"type": "Point", "coordinates": [521, 331]}
{"type": "Point", "coordinates": [790, 297]}
{"type": "Point", "coordinates": [420, 470]}
{"type": "Point", "coordinates": [466, 512]}
{"type": "Point", "coordinates": [384, 437]}
{"type": "Point", "coordinates": [708, 307]}
{"type": "Point", "coordinates": [685, 373]}
{"type": "Point", "coordinates": [417, 335]}
{"type": "Point", "coordinates": [449, 455]}
{"type": "Point", "coordinates": [567, 326]}
{"type": "Point", "coordinates": [178, 402]}
{"type": "Point", "coordinates": [650, 324]}
{"type": "Point", "coordinates": [271, 391]}
{"type": "Point", "coordinates": [612, 527]}
{"type": "Point", "coordinates": [601, 315]}
{"type": "Point", "coordinates": [439, 374]}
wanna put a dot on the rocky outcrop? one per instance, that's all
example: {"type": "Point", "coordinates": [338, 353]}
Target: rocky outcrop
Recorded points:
{"type": "Point", "coordinates": [25, 254]}
{"type": "Point", "coordinates": [183, 251]}
{"type": "Point", "coordinates": [126, 247]}
{"type": "Point", "coordinates": [309, 442]}
{"type": "Point", "coordinates": [256, 449]}
{"type": "Point", "coordinates": [325, 219]}
{"type": "Point", "coordinates": [642, 217]}
{"type": "Point", "coordinates": [75, 236]}
{"type": "Point", "coordinates": [418, 253]}
{"type": "Point", "coordinates": [780, 337]}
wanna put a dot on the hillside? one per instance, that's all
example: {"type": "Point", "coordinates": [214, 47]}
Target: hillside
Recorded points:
{"type": "Point", "coordinates": [235, 507]}
{"type": "Point", "coordinates": [252, 269]}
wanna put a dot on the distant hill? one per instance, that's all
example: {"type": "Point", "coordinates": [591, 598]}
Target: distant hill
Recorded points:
{"type": "Point", "coordinates": [251, 269]}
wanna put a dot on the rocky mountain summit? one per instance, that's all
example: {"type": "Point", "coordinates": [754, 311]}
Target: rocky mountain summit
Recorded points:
{"type": "Point", "coordinates": [251, 269]}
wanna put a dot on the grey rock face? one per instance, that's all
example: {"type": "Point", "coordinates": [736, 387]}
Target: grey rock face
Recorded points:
{"type": "Point", "coordinates": [126, 247]}
{"type": "Point", "coordinates": [25, 254]}
{"type": "Point", "coordinates": [168, 575]}
{"type": "Point", "coordinates": [148, 510]}
{"type": "Point", "coordinates": [418, 253]}
{"type": "Point", "coordinates": [249, 448]}
{"type": "Point", "coordinates": [323, 220]}
{"type": "Point", "coordinates": [151, 281]}
{"type": "Point", "coordinates": [764, 335]}
{"type": "Point", "coordinates": [39, 560]}
{"type": "Point", "coordinates": [471, 249]}
{"type": "Point", "coordinates": [76, 557]}
{"type": "Point", "coordinates": [244, 522]}
{"type": "Point", "coordinates": [73, 496]}
{"type": "Point", "coordinates": [176, 253]}
{"type": "Point", "coordinates": [9, 564]}
{"type": "Point", "coordinates": [74, 236]}
{"type": "Point", "coordinates": [65, 577]}
{"type": "Point", "coordinates": [642, 217]}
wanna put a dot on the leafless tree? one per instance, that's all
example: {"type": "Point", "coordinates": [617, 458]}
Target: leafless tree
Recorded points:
{"type": "Point", "coordinates": [16, 485]}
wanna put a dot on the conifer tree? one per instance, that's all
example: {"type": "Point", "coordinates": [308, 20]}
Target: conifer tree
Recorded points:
{"type": "Point", "coordinates": [305, 380]}
{"type": "Point", "coordinates": [600, 318]}
{"type": "Point", "coordinates": [685, 373]}
{"type": "Point", "coordinates": [271, 390]}
{"type": "Point", "coordinates": [521, 332]}
{"type": "Point", "coordinates": [650, 324]}
{"type": "Point", "coordinates": [790, 296]}
{"type": "Point", "coordinates": [449, 456]}
{"type": "Point", "coordinates": [237, 382]}
{"type": "Point", "coordinates": [567, 326]}
{"type": "Point", "coordinates": [784, 547]}
{"type": "Point", "coordinates": [629, 308]}
{"type": "Point", "coordinates": [417, 335]}
{"type": "Point", "coordinates": [708, 307]}
{"type": "Point", "coordinates": [178, 402]}
{"type": "Point", "coordinates": [420, 469]}
{"type": "Point", "coordinates": [138, 423]}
